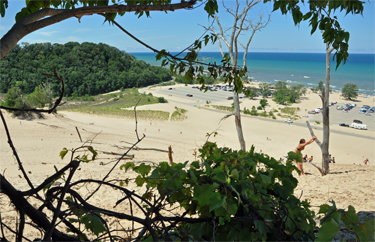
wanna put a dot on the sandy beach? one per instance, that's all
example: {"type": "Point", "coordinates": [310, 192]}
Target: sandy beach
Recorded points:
{"type": "Point", "coordinates": [39, 142]}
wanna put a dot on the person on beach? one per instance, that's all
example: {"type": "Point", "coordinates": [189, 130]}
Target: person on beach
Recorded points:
{"type": "Point", "coordinates": [311, 159]}
{"type": "Point", "coordinates": [366, 161]}
{"type": "Point", "coordinates": [304, 159]}
{"type": "Point", "coordinates": [299, 148]}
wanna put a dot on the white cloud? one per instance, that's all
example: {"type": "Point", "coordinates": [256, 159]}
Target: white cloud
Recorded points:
{"type": "Point", "coordinates": [48, 33]}
{"type": "Point", "coordinates": [70, 38]}
{"type": "Point", "coordinates": [2, 27]}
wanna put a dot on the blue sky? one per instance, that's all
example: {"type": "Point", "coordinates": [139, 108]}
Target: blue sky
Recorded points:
{"type": "Point", "coordinates": [175, 31]}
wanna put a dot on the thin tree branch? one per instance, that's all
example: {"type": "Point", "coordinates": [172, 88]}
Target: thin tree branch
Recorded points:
{"type": "Point", "coordinates": [15, 151]}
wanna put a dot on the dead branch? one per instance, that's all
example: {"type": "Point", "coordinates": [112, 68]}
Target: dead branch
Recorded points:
{"type": "Point", "coordinates": [170, 155]}
{"type": "Point", "coordinates": [137, 148]}
{"type": "Point", "coordinates": [79, 135]}
{"type": "Point", "coordinates": [312, 134]}
{"type": "Point", "coordinates": [226, 116]}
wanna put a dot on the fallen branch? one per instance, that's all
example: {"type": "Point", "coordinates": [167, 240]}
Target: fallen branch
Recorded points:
{"type": "Point", "coordinates": [137, 148]}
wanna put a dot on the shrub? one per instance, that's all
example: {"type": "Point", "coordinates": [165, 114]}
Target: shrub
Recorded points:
{"type": "Point", "coordinates": [231, 196]}
{"type": "Point", "coordinates": [162, 100]}
{"type": "Point", "coordinates": [259, 108]}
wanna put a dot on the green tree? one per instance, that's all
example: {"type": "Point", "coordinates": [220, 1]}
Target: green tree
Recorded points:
{"type": "Point", "coordinates": [251, 92]}
{"type": "Point", "coordinates": [285, 93]}
{"type": "Point", "coordinates": [264, 89]}
{"type": "Point", "coordinates": [350, 91]}
{"type": "Point", "coordinates": [15, 99]}
{"type": "Point", "coordinates": [263, 103]}
{"type": "Point", "coordinates": [41, 96]}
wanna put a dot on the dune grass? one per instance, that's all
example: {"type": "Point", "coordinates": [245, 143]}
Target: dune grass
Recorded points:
{"type": "Point", "coordinates": [113, 105]}
{"type": "Point", "coordinates": [223, 108]}
{"type": "Point", "coordinates": [179, 114]}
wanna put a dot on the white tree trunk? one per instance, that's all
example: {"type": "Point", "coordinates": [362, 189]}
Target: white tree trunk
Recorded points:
{"type": "Point", "coordinates": [237, 117]}
{"type": "Point", "coordinates": [325, 99]}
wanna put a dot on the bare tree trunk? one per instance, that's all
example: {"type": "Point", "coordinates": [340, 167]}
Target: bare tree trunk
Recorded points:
{"type": "Point", "coordinates": [240, 23]}
{"type": "Point", "coordinates": [325, 99]}
{"type": "Point", "coordinates": [237, 120]}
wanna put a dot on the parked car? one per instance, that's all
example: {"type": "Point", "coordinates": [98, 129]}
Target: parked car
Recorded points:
{"type": "Point", "coordinates": [170, 88]}
{"type": "Point", "coordinates": [362, 111]}
{"type": "Point", "coordinates": [368, 114]}
{"type": "Point", "coordinates": [357, 121]}
{"type": "Point", "coordinates": [345, 110]}
{"type": "Point", "coordinates": [311, 112]}
{"type": "Point", "coordinates": [289, 121]}
{"type": "Point", "coordinates": [344, 124]}
{"type": "Point", "coordinates": [189, 95]}
{"type": "Point", "coordinates": [230, 98]}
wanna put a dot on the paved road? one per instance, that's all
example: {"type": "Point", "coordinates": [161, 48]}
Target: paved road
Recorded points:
{"type": "Point", "coordinates": [336, 116]}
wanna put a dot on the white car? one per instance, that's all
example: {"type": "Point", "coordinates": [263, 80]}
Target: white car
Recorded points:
{"type": "Point", "coordinates": [289, 121]}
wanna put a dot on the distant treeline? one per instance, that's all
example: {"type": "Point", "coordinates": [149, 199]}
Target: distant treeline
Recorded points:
{"type": "Point", "coordinates": [87, 68]}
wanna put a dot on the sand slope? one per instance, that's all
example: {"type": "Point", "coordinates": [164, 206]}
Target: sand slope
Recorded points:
{"type": "Point", "coordinates": [39, 142]}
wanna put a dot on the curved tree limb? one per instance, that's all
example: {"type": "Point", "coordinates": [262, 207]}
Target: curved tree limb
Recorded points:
{"type": "Point", "coordinates": [48, 16]}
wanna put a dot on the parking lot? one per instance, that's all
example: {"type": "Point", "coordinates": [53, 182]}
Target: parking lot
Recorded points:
{"type": "Point", "coordinates": [336, 116]}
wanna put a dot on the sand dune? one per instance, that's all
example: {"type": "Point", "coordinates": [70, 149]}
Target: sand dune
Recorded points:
{"type": "Point", "coordinates": [39, 142]}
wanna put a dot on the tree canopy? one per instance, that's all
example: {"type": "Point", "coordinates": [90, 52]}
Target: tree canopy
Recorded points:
{"type": "Point", "coordinates": [87, 68]}
{"type": "Point", "coordinates": [350, 90]}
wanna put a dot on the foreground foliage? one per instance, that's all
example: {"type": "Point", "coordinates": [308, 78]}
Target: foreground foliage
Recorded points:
{"type": "Point", "coordinates": [229, 195]}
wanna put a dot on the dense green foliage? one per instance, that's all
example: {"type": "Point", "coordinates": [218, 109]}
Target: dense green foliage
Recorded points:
{"type": "Point", "coordinates": [41, 96]}
{"type": "Point", "coordinates": [264, 89]}
{"type": "Point", "coordinates": [87, 68]}
{"type": "Point", "coordinates": [350, 90]}
{"type": "Point", "coordinates": [248, 195]}
{"type": "Point", "coordinates": [285, 93]}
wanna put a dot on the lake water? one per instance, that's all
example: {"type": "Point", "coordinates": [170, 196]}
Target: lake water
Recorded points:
{"type": "Point", "coordinates": [299, 68]}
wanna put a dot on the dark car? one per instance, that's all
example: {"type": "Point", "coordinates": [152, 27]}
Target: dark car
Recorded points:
{"type": "Point", "coordinates": [344, 125]}
{"type": "Point", "coordinates": [357, 121]}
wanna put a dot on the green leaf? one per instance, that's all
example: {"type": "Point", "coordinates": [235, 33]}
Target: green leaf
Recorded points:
{"type": "Point", "coordinates": [221, 221]}
{"type": "Point", "coordinates": [94, 153]}
{"type": "Point", "coordinates": [324, 208]}
{"type": "Point", "coordinates": [203, 193]}
{"type": "Point", "coordinates": [139, 180]}
{"type": "Point", "coordinates": [63, 153]}
{"type": "Point", "coordinates": [328, 231]}
{"type": "Point", "coordinates": [93, 223]}
{"type": "Point", "coordinates": [143, 169]}
{"type": "Point", "coordinates": [266, 179]}
{"type": "Point", "coordinates": [127, 165]}
{"type": "Point", "coordinates": [215, 201]}
{"type": "Point", "coordinates": [367, 230]}
{"type": "Point", "coordinates": [234, 174]}
{"type": "Point", "coordinates": [261, 227]}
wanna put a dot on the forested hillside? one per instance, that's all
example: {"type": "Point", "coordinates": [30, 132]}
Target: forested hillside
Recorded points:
{"type": "Point", "coordinates": [87, 68]}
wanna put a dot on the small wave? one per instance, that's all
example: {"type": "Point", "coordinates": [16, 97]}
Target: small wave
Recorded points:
{"type": "Point", "coordinates": [310, 84]}
{"type": "Point", "coordinates": [332, 86]}
{"type": "Point", "coordinates": [276, 80]}
{"type": "Point", "coordinates": [289, 81]}
{"type": "Point", "coordinates": [306, 77]}
{"type": "Point", "coordinates": [292, 75]}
